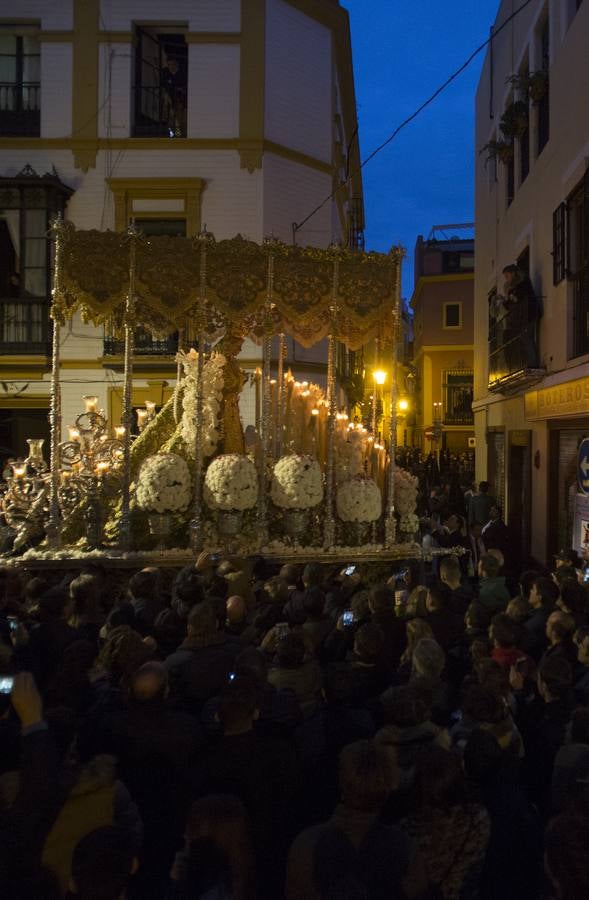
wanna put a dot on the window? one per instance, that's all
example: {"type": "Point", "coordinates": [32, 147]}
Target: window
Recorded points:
{"type": "Point", "coordinates": [452, 315]}
{"type": "Point", "coordinates": [20, 88]}
{"type": "Point", "coordinates": [578, 264]}
{"type": "Point", "coordinates": [559, 244]}
{"type": "Point", "coordinates": [543, 116]}
{"type": "Point", "coordinates": [456, 261]}
{"type": "Point", "coordinates": [27, 204]}
{"type": "Point", "coordinates": [161, 81]}
{"type": "Point", "coordinates": [458, 394]}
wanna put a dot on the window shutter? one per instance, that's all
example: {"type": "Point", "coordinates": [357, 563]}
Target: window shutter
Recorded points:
{"type": "Point", "coordinates": [558, 244]}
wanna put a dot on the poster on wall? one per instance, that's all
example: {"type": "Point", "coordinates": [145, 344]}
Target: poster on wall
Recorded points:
{"type": "Point", "coordinates": [581, 528]}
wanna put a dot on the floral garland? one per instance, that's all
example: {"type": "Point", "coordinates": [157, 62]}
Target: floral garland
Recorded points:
{"type": "Point", "coordinates": [297, 483]}
{"type": "Point", "coordinates": [212, 397]}
{"type": "Point", "coordinates": [163, 484]}
{"type": "Point", "coordinates": [359, 500]}
{"type": "Point", "coordinates": [231, 483]}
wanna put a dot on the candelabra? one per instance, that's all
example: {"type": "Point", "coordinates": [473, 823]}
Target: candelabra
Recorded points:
{"type": "Point", "coordinates": [25, 502]}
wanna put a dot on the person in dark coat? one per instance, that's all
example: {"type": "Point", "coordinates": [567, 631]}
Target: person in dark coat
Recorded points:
{"type": "Point", "coordinates": [542, 597]}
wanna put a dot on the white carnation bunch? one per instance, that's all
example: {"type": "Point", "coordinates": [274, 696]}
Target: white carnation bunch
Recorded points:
{"type": "Point", "coordinates": [297, 482]}
{"type": "Point", "coordinates": [409, 523]}
{"type": "Point", "coordinates": [231, 483]}
{"type": "Point", "coordinates": [164, 484]}
{"type": "Point", "coordinates": [359, 500]}
{"type": "Point", "coordinates": [212, 395]}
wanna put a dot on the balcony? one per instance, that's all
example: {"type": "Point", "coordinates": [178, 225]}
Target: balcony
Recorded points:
{"type": "Point", "coordinates": [25, 328]}
{"type": "Point", "coordinates": [513, 352]}
{"type": "Point", "coordinates": [458, 396]}
{"type": "Point", "coordinates": [20, 109]}
{"type": "Point", "coordinates": [145, 345]}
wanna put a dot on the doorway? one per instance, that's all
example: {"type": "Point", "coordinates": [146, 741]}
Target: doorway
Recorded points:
{"type": "Point", "coordinates": [519, 499]}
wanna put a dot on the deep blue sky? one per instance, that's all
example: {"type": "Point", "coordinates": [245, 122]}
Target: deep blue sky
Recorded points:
{"type": "Point", "coordinates": [403, 50]}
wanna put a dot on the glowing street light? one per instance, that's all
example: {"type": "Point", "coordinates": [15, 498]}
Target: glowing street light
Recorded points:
{"type": "Point", "coordinates": [380, 376]}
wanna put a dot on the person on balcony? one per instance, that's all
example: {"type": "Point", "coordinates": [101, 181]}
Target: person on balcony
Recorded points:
{"type": "Point", "coordinates": [522, 314]}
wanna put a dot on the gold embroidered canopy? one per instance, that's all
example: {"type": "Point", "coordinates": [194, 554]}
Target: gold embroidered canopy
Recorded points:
{"type": "Point", "coordinates": [169, 285]}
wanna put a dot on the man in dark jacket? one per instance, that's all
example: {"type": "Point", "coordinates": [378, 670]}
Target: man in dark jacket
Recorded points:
{"type": "Point", "coordinates": [542, 596]}
{"type": "Point", "coordinates": [201, 665]}
{"type": "Point", "coordinates": [382, 607]}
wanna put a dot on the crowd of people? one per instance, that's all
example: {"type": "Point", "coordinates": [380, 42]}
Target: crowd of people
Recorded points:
{"type": "Point", "coordinates": [241, 730]}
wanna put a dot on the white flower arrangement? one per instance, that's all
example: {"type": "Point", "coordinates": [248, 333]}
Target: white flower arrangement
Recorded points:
{"type": "Point", "coordinates": [359, 500]}
{"type": "Point", "coordinates": [297, 482]}
{"type": "Point", "coordinates": [231, 483]}
{"type": "Point", "coordinates": [406, 486]}
{"type": "Point", "coordinates": [212, 395]}
{"type": "Point", "coordinates": [163, 484]}
{"type": "Point", "coordinates": [409, 523]}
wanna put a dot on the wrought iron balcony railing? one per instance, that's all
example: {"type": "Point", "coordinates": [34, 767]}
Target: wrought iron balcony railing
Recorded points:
{"type": "Point", "coordinates": [20, 109]}
{"type": "Point", "coordinates": [25, 327]}
{"type": "Point", "coordinates": [145, 345]}
{"type": "Point", "coordinates": [513, 350]}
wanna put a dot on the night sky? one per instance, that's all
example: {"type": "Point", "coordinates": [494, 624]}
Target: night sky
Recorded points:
{"type": "Point", "coordinates": [403, 50]}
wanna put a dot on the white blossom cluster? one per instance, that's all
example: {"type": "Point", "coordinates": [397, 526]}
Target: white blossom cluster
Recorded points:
{"type": "Point", "coordinates": [231, 483]}
{"type": "Point", "coordinates": [212, 396]}
{"type": "Point", "coordinates": [297, 482]}
{"type": "Point", "coordinates": [164, 484]}
{"type": "Point", "coordinates": [406, 486]}
{"type": "Point", "coordinates": [409, 523]}
{"type": "Point", "coordinates": [359, 500]}
{"type": "Point", "coordinates": [349, 454]}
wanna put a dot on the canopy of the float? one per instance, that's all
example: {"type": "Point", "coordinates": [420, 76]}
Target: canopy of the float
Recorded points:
{"type": "Point", "coordinates": [169, 285]}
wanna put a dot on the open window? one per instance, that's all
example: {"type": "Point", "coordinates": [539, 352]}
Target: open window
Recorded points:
{"type": "Point", "coordinates": [20, 86]}
{"type": "Point", "coordinates": [161, 82]}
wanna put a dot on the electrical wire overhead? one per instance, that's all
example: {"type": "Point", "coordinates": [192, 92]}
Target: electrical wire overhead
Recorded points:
{"type": "Point", "coordinates": [297, 226]}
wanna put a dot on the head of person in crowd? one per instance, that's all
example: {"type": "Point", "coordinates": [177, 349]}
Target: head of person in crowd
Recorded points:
{"type": "Point", "coordinates": [477, 618]}
{"type": "Point", "coordinates": [102, 865]}
{"type": "Point", "coordinates": [187, 592]}
{"type": "Point", "coordinates": [290, 575]}
{"type": "Point", "coordinates": [503, 632]}
{"type": "Point", "coordinates": [518, 610]}
{"type": "Point", "coordinates": [236, 611]}
{"type": "Point", "coordinates": [573, 599]}
{"type": "Point", "coordinates": [85, 596]}
{"type": "Point", "coordinates": [543, 593]}
{"type": "Point", "coordinates": [149, 684]}
{"type": "Point", "coordinates": [360, 605]}
{"type": "Point", "coordinates": [368, 644]}
{"type": "Point", "coordinates": [555, 678]}
{"type": "Point", "coordinates": [368, 774]}
{"type": "Point", "coordinates": [122, 654]}
{"type": "Point", "coordinates": [526, 580]}
{"type": "Point", "coordinates": [55, 605]}
{"type": "Point", "coordinates": [450, 572]}
{"type": "Point", "coordinates": [290, 651]}
{"type": "Point", "coordinates": [312, 576]}
{"type": "Point", "coordinates": [381, 601]}
{"type": "Point", "coordinates": [32, 591]}
{"type": "Point", "coordinates": [276, 591]}
{"type": "Point", "coordinates": [438, 598]}
{"type": "Point", "coordinates": [560, 627]}
{"type": "Point", "coordinates": [238, 706]}
{"type": "Point", "coordinates": [145, 588]}
{"type": "Point", "coordinates": [484, 487]}
{"type": "Point", "coordinates": [71, 682]}
{"type": "Point", "coordinates": [428, 660]}
{"type": "Point", "coordinates": [563, 574]}
{"type": "Point", "coordinates": [482, 704]}
{"type": "Point", "coordinates": [492, 675]}
{"type": "Point", "coordinates": [218, 854]}
{"type": "Point", "coordinates": [568, 558]}
{"type": "Point", "coordinates": [488, 566]}
{"type": "Point", "coordinates": [416, 629]}
{"type": "Point", "coordinates": [566, 860]}
{"type": "Point", "coordinates": [498, 554]}
{"type": "Point", "coordinates": [252, 663]}
{"type": "Point", "coordinates": [203, 624]}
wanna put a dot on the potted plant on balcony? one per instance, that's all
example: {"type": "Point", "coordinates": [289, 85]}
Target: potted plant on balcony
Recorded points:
{"type": "Point", "coordinates": [501, 150]}
{"type": "Point", "coordinates": [514, 120]}
{"type": "Point", "coordinates": [534, 84]}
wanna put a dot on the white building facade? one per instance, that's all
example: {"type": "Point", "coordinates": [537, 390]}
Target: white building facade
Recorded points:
{"type": "Point", "coordinates": [237, 115]}
{"type": "Point", "coordinates": [531, 397]}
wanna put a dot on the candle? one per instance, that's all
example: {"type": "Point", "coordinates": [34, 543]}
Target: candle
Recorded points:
{"type": "Point", "coordinates": [119, 432]}
{"type": "Point", "coordinates": [150, 408]}
{"type": "Point", "coordinates": [141, 417]}
{"type": "Point", "coordinates": [102, 468]}
{"type": "Point", "coordinates": [66, 475]}
{"type": "Point", "coordinates": [19, 471]}
{"type": "Point", "coordinates": [91, 404]}
{"type": "Point", "coordinates": [74, 434]}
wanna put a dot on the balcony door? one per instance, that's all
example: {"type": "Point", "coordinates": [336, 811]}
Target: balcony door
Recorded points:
{"type": "Point", "coordinates": [161, 63]}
